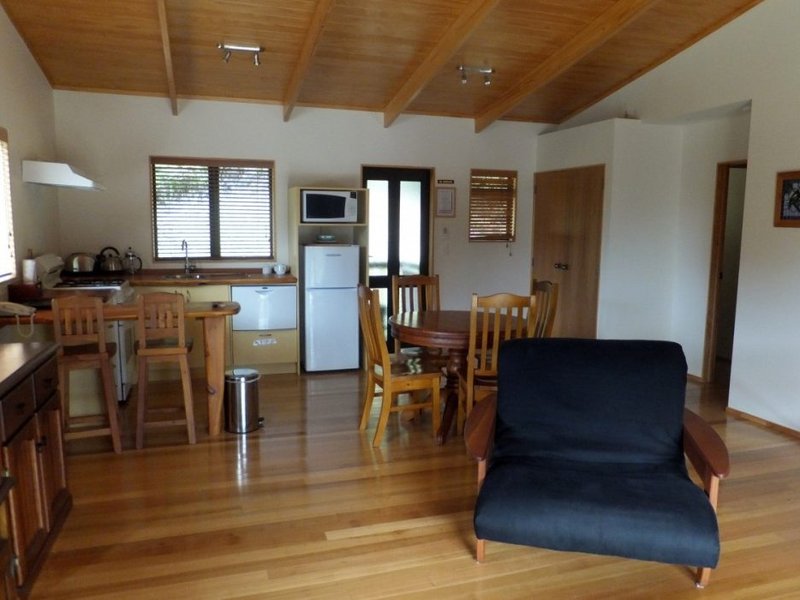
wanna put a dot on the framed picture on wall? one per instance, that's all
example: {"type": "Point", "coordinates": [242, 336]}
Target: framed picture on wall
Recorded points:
{"type": "Point", "coordinates": [445, 202]}
{"type": "Point", "coordinates": [787, 199]}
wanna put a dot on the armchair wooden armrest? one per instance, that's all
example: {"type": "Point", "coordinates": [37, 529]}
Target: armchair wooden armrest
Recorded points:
{"type": "Point", "coordinates": [479, 431]}
{"type": "Point", "coordinates": [707, 453]}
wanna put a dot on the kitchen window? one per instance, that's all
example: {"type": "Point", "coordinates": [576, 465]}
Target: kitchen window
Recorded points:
{"type": "Point", "coordinates": [223, 209]}
{"type": "Point", "coordinates": [8, 262]}
{"type": "Point", "coordinates": [492, 205]}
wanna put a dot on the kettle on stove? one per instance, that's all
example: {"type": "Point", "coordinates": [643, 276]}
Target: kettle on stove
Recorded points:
{"type": "Point", "coordinates": [133, 264]}
{"type": "Point", "coordinates": [110, 260]}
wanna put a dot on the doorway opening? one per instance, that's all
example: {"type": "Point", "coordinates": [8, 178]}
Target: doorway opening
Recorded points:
{"type": "Point", "coordinates": [399, 227]}
{"type": "Point", "coordinates": [724, 271]}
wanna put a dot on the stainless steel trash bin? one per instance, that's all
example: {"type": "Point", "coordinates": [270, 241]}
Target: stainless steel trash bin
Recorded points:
{"type": "Point", "coordinates": [241, 400]}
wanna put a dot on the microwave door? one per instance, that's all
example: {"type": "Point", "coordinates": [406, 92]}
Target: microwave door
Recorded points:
{"type": "Point", "coordinates": [324, 207]}
{"type": "Point", "coordinates": [330, 206]}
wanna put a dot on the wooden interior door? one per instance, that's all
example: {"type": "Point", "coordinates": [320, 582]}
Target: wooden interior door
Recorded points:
{"type": "Point", "coordinates": [567, 229]}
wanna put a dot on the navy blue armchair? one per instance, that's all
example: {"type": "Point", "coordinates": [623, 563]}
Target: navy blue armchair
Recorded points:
{"type": "Point", "coordinates": [583, 449]}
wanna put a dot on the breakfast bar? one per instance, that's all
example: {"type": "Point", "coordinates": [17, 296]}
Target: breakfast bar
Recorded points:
{"type": "Point", "coordinates": [213, 316]}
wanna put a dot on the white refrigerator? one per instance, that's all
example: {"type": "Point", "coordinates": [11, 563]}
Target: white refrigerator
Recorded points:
{"type": "Point", "coordinates": [330, 307]}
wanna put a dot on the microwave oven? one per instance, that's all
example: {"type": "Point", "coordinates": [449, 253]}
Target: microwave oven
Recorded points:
{"type": "Point", "coordinates": [329, 206]}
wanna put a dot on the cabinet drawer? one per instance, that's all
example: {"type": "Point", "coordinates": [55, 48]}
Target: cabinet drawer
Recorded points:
{"type": "Point", "coordinates": [17, 407]}
{"type": "Point", "coordinates": [45, 381]}
{"type": "Point", "coordinates": [264, 347]}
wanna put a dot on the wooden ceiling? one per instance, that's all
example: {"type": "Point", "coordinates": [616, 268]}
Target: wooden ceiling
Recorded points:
{"type": "Point", "coordinates": [552, 58]}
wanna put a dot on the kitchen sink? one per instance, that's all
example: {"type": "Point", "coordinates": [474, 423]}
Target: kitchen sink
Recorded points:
{"type": "Point", "coordinates": [185, 276]}
{"type": "Point", "coordinates": [204, 276]}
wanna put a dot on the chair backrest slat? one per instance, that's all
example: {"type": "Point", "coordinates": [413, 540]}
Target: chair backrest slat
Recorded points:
{"type": "Point", "coordinates": [415, 292]}
{"type": "Point", "coordinates": [412, 293]}
{"type": "Point", "coordinates": [78, 320]}
{"type": "Point", "coordinates": [161, 316]}
{"type": "Point", "coordinates": [546, 293]}
{"type": "Point", "coordinates": [493, 320]}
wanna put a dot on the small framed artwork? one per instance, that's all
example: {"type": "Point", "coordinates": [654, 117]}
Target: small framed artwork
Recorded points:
{"type": "Point", "coordinates": [445, 202]}
{"type": "Point", "coordinates": [787, 199]}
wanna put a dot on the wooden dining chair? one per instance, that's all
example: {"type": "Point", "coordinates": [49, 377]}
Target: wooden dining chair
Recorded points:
{"type": "Point", "coordinates": [546, 293]}
{"type": "Point", "coordinates": [80, 332]}
{"type": "Point", "coordinates": [410, 293]}
{"type": "Point", "coordinates": [493, 320]}
{"type": "Point", "coordinates": [392, 374]}
{"type": "Point", "coordinates": [161, 337]}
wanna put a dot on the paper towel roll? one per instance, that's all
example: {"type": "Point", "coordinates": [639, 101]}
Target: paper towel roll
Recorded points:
{"type": "Point", "coordinates": [29, 270]}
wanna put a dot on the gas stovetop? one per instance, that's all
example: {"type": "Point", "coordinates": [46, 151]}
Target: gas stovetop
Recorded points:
{"type": "Point", "coordinates": [91, 284]}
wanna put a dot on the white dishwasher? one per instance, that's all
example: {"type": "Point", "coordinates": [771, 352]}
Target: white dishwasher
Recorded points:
{"type": "Point", "coordinates": [264, 307]}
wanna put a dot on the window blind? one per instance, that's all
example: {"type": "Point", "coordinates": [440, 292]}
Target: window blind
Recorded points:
{"type": "Point", "coordinates": [222, 208]}
{"type": "Point", "coordinates": [8, 263]}
{"type": "Point", "coordinates": [492, 205]}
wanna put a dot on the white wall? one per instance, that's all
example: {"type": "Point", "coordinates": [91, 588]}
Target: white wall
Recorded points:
{"type": "Point", "coordinates": [657, 219]}
{"type": "Point", "coordinates": [26, 111]}
{"type": "Point", "coordinates": [752, 58]}
{"type": "Point", "coordinates": [705, 144]}
{"type": "Point", "coordinates": [114, 136]}
{"type": "Point", "coordinates": [640, 218]}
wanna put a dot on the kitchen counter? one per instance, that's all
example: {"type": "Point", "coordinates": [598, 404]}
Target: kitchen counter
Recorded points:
{"type": "Point", "coordinates": [177, 277]}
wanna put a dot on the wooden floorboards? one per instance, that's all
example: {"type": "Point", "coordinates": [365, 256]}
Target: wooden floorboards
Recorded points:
{"type": "Point", "coordinates": [306, 508]}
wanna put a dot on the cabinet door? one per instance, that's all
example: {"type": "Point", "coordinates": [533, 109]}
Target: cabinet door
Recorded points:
{"type": "Point", "coordinates": [50, 455]}
{"type": "Point", "coordinates": [25, 499]}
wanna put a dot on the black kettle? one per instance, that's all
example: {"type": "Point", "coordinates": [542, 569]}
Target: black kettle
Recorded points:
{"type": "Point", "coordinates": [110, 261]}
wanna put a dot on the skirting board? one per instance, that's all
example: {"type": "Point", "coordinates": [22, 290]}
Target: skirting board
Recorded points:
{"type": "Point", "coordinates": [763, 422]}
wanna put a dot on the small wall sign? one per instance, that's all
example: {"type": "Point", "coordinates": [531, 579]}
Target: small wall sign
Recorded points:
{"type": "Point", "coordinates": [445, 202]}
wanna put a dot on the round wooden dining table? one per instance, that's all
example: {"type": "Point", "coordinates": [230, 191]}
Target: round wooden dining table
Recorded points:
{"type": "Point", "coordinates": [443, 329]}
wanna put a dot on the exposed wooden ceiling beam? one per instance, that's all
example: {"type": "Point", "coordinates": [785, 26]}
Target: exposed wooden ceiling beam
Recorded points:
{"type": "Point", "coordinates": [306, 53]}
{"type": "Point", "coordinates": [603, 28]}
{"type": "Point", "coordinates": [162, 21]}
{"type": "Point", "coordinates": [468, 20]}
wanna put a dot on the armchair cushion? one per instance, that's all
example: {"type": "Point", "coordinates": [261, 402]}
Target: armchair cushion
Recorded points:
{"type": "Point", "coordinates": [588, 453]}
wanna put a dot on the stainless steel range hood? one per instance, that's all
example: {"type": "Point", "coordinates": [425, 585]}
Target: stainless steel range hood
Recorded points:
{"type": "Point", "coordinates": [56, 173]}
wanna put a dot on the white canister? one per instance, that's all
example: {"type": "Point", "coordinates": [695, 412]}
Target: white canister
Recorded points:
{"type": "Point", "coordinates": [29, 270]}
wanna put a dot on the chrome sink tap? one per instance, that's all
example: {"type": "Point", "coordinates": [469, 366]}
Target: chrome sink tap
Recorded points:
{"type": "Point", "coordinates": [187, 268]}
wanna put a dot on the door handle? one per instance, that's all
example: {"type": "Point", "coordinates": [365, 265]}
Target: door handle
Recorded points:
{"type": "Point", "coordinates": [561, 266]}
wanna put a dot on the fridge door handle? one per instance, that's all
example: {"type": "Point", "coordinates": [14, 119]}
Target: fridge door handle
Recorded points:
{"type": "Point", "coordinates": [264, 291]}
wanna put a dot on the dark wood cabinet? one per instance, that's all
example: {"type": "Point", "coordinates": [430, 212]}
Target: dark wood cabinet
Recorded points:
{"type": "Point", "coordinates": [8, 585]}
{"type": "Point", "coordinates": [26, 506]}
{"type": "Point", "coordinates": [32, 455]}
{"type": "Point", "coordinates": [50, 457]}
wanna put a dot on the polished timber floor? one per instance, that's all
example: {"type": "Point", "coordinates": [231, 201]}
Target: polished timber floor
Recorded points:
{"type": "Point", "coordinates": [307, 509]}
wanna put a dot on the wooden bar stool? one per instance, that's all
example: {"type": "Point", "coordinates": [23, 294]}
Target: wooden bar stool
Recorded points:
{"type": "Point", "coordinates": [161, 337]}
{"type": "Point", "coordinates": [81, 335]}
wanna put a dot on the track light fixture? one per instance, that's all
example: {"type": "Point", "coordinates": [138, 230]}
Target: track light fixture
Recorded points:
{"type": "Point", "coordinates": [487, 73]}
{"type": "Point", "coordinates": [228, 49]}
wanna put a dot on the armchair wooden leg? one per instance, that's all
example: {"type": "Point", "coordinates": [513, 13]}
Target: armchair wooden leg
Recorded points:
{"type": "Point", "coordinates": [480, 550]}
{"type": "Point", "coordinates": [703, 576]}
